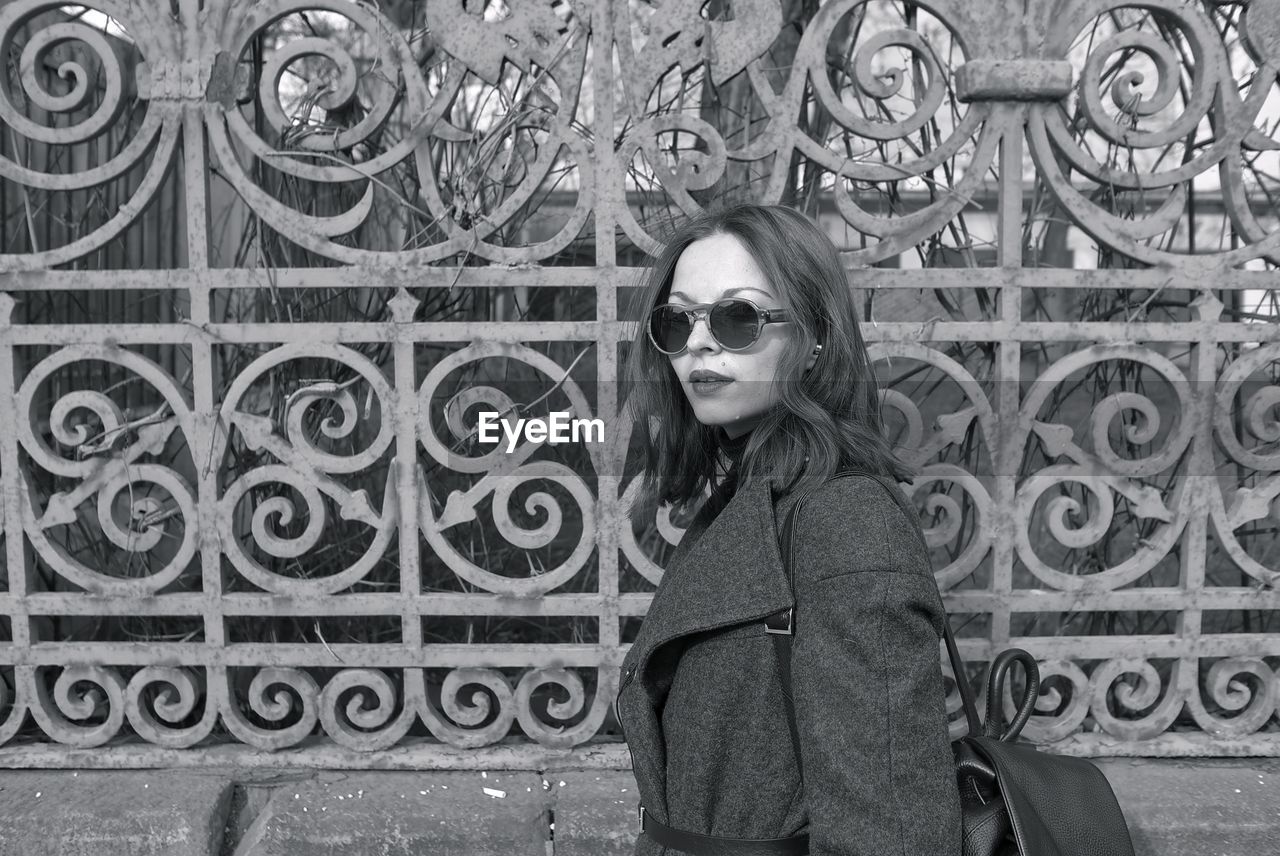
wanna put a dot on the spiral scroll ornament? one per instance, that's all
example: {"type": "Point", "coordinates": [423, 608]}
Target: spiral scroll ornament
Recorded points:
{"type": "Point", "coordinates": [87, 113]}
{"type": "Point", "coordinates": [504, 472]}
{"type": "Point", "coordinates": [141, 505]}
{"type": "Point", "coordinates": [400, 115]}
{"type": "Point", "coordinates": [80, 694]}
{"type": "Point", "coordinates": [159, 720]}
{"type": "Point", "coordinates": [1193, 88]}
{"type": "Point", "coordinates": [872, 130]}
{"type": "Point", "coordinates": [307, 467]}
{"type": "Point", "coordinates": [366, 721]}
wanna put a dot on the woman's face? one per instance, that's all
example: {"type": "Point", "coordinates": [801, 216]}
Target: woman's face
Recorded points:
{"type": "Point", "coordinates": [709, 269]}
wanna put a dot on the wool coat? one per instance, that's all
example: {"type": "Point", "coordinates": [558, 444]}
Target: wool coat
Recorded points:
{"type": "Point", "coordinates": [700, 692]}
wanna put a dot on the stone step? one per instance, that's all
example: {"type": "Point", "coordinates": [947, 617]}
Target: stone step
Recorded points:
{"type": "Point", "coordinates": [1175, 807]}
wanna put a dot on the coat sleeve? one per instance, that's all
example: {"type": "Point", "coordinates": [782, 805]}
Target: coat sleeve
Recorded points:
{"type": "Point", "coordinates": [879, 775]}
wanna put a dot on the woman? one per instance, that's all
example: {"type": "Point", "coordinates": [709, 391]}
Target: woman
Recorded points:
{"type": "Point", "coordinates": [763, 400]}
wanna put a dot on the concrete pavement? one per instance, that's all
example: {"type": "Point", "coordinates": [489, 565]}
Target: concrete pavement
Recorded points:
{"type": "Point", "coordinates": [1175, 807]}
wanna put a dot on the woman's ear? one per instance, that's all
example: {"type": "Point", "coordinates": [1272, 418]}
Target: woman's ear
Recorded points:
{"type": "Point", "coordinates": [813, 357]}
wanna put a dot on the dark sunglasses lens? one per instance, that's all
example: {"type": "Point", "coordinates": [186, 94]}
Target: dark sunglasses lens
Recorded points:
{"type": "Point", "coordinates": [735, 323]}
{"type": "Point", "coordinates": [670, 329]}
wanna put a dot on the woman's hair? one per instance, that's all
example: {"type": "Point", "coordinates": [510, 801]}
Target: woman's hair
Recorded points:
{"type": "Point", "coordinates": [831, 414]}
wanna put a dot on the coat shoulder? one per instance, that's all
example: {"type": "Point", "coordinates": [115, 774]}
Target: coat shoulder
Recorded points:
{"type": "Point", "coordinates": [856, 523]}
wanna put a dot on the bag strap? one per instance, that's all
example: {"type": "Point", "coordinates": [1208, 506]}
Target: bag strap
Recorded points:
{"type": "Point", "coordinates": [782, 636]}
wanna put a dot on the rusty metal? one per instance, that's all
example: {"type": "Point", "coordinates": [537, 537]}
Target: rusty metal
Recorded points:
{"type": "Point", "coordinates": [999, 94]}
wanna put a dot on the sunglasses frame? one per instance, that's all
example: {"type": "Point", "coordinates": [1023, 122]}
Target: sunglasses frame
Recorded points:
{"type": "Point", "coordinates": [703, 310]}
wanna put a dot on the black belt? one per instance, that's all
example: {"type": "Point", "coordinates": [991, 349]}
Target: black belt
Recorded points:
{"type": "Point", "coordinates": [718, 845]}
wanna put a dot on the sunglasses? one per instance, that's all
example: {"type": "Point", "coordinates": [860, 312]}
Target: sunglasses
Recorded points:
{"type": "Point", "coordinates": [735, 323]}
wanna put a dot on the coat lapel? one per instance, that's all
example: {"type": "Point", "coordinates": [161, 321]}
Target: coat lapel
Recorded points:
{"type": "Point", "coordinates": [733, 573]}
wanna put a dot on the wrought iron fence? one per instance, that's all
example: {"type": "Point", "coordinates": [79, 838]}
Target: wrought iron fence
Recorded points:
{"type": "Point", "coordinates": [258, 483]}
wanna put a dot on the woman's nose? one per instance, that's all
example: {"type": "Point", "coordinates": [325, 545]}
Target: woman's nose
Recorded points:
{"type": "Point", "coordinates": [700, 337]}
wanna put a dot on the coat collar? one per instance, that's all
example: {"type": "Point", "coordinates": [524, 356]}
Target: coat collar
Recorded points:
{"type": "Point", "coordinates": [733, 572]}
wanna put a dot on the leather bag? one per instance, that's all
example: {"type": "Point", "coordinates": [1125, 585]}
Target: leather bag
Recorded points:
{"type": "Point", "coordinates": [1015, 800]}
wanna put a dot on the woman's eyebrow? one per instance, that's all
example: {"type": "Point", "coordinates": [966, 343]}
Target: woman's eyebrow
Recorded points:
{"type": "Point", "coordinates": [727, 293]}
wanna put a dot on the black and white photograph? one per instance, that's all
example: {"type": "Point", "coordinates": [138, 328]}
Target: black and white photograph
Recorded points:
{"type": "Point", "coordinates": [640, 428]}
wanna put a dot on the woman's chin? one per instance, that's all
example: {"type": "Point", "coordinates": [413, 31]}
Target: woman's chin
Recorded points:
{"type": "Point", "coordinates": [733, 425]}
{"type": "Point", "coordinates": [715, 417]}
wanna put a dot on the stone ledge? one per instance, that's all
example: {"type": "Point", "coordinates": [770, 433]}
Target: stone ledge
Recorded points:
{"type": "Point", "coordinates": [1198, 806]}
{"type": "Point", "coordinates": [503, 813]}
{"type": "Point", "coordinates": [1175, 807]}
{"type": "Point", "coordinates": [92, 812]}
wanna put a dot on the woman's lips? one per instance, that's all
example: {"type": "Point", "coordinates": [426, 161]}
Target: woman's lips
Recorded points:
{"type": "Point", "coordinates": [707, 387]}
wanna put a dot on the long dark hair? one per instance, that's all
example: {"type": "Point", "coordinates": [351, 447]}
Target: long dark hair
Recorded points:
{"type": "Point", "coordinates": [831, 414]}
